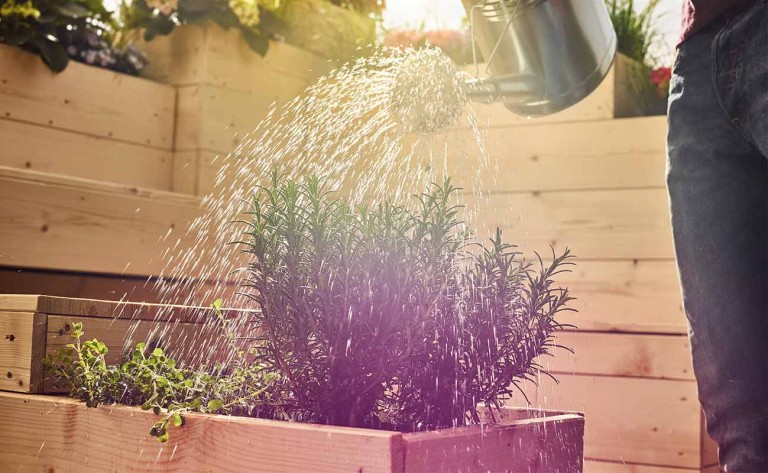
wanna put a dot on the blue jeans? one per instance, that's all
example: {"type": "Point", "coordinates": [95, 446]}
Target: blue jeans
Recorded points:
{"type": "Point", "coordinates": [718, 188]}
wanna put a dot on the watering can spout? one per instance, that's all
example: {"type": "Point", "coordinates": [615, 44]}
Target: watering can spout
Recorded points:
{"type": "Point", "coordinates": [541, 56]}
{"type": "Point", "coordinates": [500, 89]}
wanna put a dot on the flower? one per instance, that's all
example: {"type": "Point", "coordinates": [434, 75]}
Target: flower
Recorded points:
{"type": "Point", "coordinates": [247, 11]}
{"type": "Point", "coordinates": [270, 5]}
{"type": "Point", "coordinates": [660, 77]}
{"type": "Point", "coordinates": [165, 7]}
{"type": "Point", "coordinates": [24, 10]}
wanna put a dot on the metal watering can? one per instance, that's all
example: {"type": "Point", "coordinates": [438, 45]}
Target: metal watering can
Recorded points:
{"type": "Point", "coordinates": [542, 56]}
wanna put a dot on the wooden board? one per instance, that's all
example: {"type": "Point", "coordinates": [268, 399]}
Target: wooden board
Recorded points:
{"type": "Point", "coordinates": [603, 154]}
{"type": "Point", "coordinates": [85, 99]}
{"type": "Point", "coordinates": [50, 433]}
{"type": "Point", "coordinates": [217, 118]}
{"type": "Point", "coordinates": [592, 466]}
{"type": "Point", "coordinates": [612, 354]}
{"type": "Point", "coordinates": [195, 55]}
{"type": "Point", "coordinates": [91, 286]}
{"type": "Point", "coordinates": [625, 296]}
{"type": "Point", "coordinates": [78, 225]}
{"type": "Point", "coordinates": [51, 150]}
{"type": "Point", "coordinates": [605, 224]}
{"type": "Point", "coordinates": [556, 444]}
{"type": "Point", "coordinates": [44, 433]}
{"type": "Point", "coordinates": [105, 309]}
{"type": "Point", "coordinates": [632, 420]}
{"type": "Point", "coordinates": [22, 348]}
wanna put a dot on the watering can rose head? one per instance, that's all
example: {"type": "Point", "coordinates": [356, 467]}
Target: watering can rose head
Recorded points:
{"type": "Point", "coordinates": [388, 316]}
{"type": "Point", "coordinates": [428, 92]}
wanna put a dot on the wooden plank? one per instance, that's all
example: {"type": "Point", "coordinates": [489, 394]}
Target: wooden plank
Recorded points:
{"type": "Point", "coordinates": [548, 444]}
{"type": "Point", "coordinates": [22, 344]}
{"type": "Point", "coordinates": [217, 118]}
{"type": "Point", "coordinates": [597, 106]}
{"type": "Point", "coordinates": [94, 286]}
{"type": "Point", "coordinates": [630, 420]}
{"type": "Point", "coordinates": [111, 310]}
{"type": "Point", "coordinates": [625, 296]}
{"type": "Point", "coordinates": [593, 466]}
{"type": "Point", "coordinates": [69, 224]}
{"type": "Point", "coordinates": [610, 354]}
{"type": "Point", "coordinates": [195, 55]}
{"type": "Point", "coordinates": [45, 433]}
{"type": "Point", "coordinates": [188, 343]}
{"type": "Point", "coordinates": [86, 99]}
{"type": "Point", "coordinates": [608, 224]}
{"type": "Point", "coordinates": [50, 150]}
{"type": "Point", "coordinates": [603, 154]}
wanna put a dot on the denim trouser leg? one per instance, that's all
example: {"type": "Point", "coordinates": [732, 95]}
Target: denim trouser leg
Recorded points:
{"type": "Point", "coordinates": [718, 187]}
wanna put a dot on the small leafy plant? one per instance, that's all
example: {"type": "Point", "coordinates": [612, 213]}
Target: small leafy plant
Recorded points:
{"type": "Point", "coordinates": [150, 379]}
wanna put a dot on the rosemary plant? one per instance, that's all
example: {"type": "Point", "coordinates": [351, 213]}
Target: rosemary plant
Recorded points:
{"type": "Point", "coordinates": [388, 317]}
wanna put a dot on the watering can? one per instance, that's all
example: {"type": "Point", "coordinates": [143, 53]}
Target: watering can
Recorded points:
{"type": "Point", "coordinates": [542, 56]}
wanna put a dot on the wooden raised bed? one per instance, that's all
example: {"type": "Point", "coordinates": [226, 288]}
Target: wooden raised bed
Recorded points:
{"type": "Point", "coordinates": [48, 433]}
{"type": "Point", "coordinates": [33, 326]}
{"type": "Point", "coordinates": [85, 122]}
{"type": "Point", "coordinates": [53, 433]}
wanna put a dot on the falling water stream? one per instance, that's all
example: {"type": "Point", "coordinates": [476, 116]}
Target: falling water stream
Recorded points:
{"type": "Point", "coordinates": [374, 129]}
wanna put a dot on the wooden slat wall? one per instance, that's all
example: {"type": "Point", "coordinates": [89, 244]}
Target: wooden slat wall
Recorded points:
{"type": "Point", "coordinates": [224, 91]}
{"type": "Point", "coordinates": [61, 223]}
{"type": "Point", "coordinates": [598, 187]}
{"type": "Point", "coordinates": [85, 122]}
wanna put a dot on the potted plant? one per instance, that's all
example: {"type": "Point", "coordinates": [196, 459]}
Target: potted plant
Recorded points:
{"type": "Point", "coordinates": [82, 30]}
{"type": "Point", "coordinates": [382, 317]}
{"type": "Point", "coordinates": [641, 87]}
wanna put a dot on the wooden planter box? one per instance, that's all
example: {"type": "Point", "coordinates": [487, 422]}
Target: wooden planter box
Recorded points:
{"type": "Point", "coordinates": [85, 122]}
{"type": "Point", "coordinates": [49, 433]}
{"type": "Point", "coordinates": [32, 327]}
{"type": "Point", "coordinates": [52, 433]}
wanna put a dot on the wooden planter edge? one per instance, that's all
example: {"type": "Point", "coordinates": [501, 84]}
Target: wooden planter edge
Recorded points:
{"type": "Point", "coordinates": [65, 435]}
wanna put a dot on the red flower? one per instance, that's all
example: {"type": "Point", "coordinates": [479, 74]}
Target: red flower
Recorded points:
{"type": "Point", "coordinates": [660, 77]}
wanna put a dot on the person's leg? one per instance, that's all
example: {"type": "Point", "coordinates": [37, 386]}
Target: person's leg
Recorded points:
{"type": "Point", "coordinates": [718, 188]}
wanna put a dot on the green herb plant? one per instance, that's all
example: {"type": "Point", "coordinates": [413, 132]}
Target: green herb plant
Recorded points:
{"type": "Point", "coordinates": [152, 380]}
{"type": "Point", "coordinates": [389, 317]}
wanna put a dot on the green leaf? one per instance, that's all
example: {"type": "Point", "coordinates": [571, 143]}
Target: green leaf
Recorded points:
{"type": "Point", "coordinates": [72, 10]}
{"type": "Point", "coordinates": [177, 420]}
{"type": "Point", "coordinates": [257, 42]}
{"type": "Point", "coordinates": [214, 405]}
{"type": "Point", "coordinates": [18, 34]}
{"type": "Point", "coordinates": [194, 5]}
{"type": "Point", "coordinates": [157, 352]}
{"type": "Point", "coordinates": [53, 54]}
